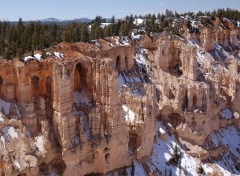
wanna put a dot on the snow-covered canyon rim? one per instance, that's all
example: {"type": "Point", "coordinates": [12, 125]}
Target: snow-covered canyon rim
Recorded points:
{"type": "Point", "coordinates": [156, 104]}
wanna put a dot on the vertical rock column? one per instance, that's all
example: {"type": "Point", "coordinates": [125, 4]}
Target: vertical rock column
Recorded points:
{"type": "Point", "coordinates": [190, 97]}
{"type": "Point", "coordinates": [199, 94]}
{"type": "Point", "coordinates": [180, 98]}
{"type": "Point", "coordinates": [62, 103]}
{"type": "Point", "coordinates": [192, 75]}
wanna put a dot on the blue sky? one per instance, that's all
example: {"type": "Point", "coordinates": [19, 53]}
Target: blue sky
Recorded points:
{"type": "Point", "coordinates": [71, 9]}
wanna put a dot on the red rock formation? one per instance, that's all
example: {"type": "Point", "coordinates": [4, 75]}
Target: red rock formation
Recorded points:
{"type": "Point", "coordinates": [93, 107]}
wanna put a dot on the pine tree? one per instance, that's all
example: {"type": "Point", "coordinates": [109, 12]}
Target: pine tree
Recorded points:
{"type": "Point", "coordinates": [113, 19]}
{"type": "Point", "coordinates": [84, 33]}
{"type": "Point", "coordinates": [66, 36]}
{"type": "Point", "coordinates": [32, 52]}
{"type": "Point", "coordinates": [2, 45]}
{"type": "Point", "coordinates": [20, 52]}
{"type": "Point", "coordinates": [6, 53]}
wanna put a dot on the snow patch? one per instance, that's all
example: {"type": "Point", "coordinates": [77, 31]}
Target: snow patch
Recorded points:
{"type": "Point", "coordinates": [238, 24]}
{"type": "Point", "coordinates": [200, 57]}
{"type": "Point", "coordinates": [139, 171]}
{"type": "Point", "coordinates": [3, 141]}
{"type": "Point", "coordinates": [226, 113]}
{"type": "Point", "coordinates": [229, 137]}
{"type": "Point", "coordinates": [42, 103]}
{"type": "Point", "coordinates": [16, 164]}
{"type": "Point", "coordinates": [129, 114]}
{"type": "Point", "coordinates": [17, 111]}
{"type": "Point", "coordinates": [220, 49]}
{"type": "Point", "coordinates": [103, 25]}
{"type": "Point", "coordinates": [135, 37]}
{"type": "Point", "coordinates": [162, 131]}
{"type": "Point", "coordinates": [5, 106]}
{"type": "Point", "coordinates": [193, 24]}
{"type": "Point", "coordinates": [12, 132]}
{"type": "Point", "coordinates": [9, 131]}
{"type": "Point", "coordinates": [207, 169]}
{"type": "Point", "coordinates": [121, 82]}
{"type": "Point", "coordinates": [1, 118]}
{"type": "Point", "coordinates": [123, 41]}
{"type": "Point", "coordinates": [162, 152]}
{"type": "Point", "coordinates": [81, 98]}
{"type": "Point", "coordinates": [86, 125]}
{"type": "Point", "coordinates": [36, 57]}
{"type": "Point", "coordinates": [48, 54]}
{"type": "Point", "coordinates": [39, 143]}
{"type": "Point", "coordinates": [138, 21]}
{"type": "Point", "coordinates": [58, 55]}
{"type": "Point", "coordinates": [110, 44]}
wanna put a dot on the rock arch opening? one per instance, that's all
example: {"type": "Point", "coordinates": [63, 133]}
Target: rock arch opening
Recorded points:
{"type": "Point", "coordinates": [43, 169]}
{"type": "Point", "coordinates": [106, 149]}
{"type": "Point", "coordinates": [126, 63]}
{"type": "Point", "coordinates": [80, 75]}
{"type": "Point", "coordinates": [82, 92]}
{"type": "Point", "coordinates": [134, 141]}
{"type": "Point", "coordinates": [57, 166]}
{"type": "Point", "coordinates": [118, 64]}
{"type": "Point", "coordinates": [107, 158]}
{"type": "Point", "coordinates": [175, 67]}
{"type": "Point", "coordinates": [175, 119]}
{"type": "Point", "coordinates": [35, 85]}
{"type": "Point", "coordinates": [48, 87]}
{"type": "Point", "coordinates": [194, 100]}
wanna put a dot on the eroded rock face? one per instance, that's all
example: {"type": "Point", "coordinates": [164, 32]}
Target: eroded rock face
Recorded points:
{"type": "Point", "coordinates": [69, 115]}
{"type": "Point", "coordinates": [93, 108]}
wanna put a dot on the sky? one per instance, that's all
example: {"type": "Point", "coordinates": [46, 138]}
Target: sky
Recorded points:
{"type": "Point", "coordinates": [12, 10]}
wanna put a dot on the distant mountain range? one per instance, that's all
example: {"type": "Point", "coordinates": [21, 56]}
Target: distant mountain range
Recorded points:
{"type": "Point", "coordinates": [55, 20]}
{"type": "Point", "coordinates": [59, 21]}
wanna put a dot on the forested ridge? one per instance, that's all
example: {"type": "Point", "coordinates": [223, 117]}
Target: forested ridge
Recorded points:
{"type": "Point", "coordinates": [20, 38]}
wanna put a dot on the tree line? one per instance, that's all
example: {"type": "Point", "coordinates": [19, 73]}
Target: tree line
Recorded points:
{"type": "Point", "coordinates": [20, 38]}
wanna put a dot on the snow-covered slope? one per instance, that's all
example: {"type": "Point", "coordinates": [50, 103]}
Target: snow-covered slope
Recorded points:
{"type": "Point", "coordinates": [160, 163]}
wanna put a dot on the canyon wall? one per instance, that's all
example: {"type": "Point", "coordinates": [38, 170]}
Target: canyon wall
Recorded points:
{"type": "Point", "coordinates": [94, 109]}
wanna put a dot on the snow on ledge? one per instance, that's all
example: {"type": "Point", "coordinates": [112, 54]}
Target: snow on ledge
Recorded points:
{"type": "Point", "coordinates": [12, 132]}
{"type": "Point", "coordinates": [17, 165]}
{"type": "Point", "coordinates": [3, 141]}
{"type": "Point", "coordinates": [8, 131]}
{"type": "Point", "coordinates": [162, 131]}
{"type": "Point", "coordinates": [138, 21]}
{"type": "Point", "coordinates": [226, 113]}
{"type": "Point", "coordinates": [1, 118]}
{"type": "Point", "coordinates": [135, 37]}
{"type": "Point", "coordinates": [40, 143]}
{"type": "Point", "coordinates": [58, 55]}
{"type": "Point", "coordinates": [129, 114]}
{"type": "Point", "coordinates": [36, 57]}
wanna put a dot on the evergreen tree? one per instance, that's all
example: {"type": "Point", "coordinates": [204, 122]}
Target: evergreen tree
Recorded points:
{"type": "Point", "coordinates": [113, 19]}
{"type": "Point", "coordinates": [84, 33]}
{"type": "Point", "coordinates": [20, 52]}
{"type": "Point", "coordinates": [6, 53]}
